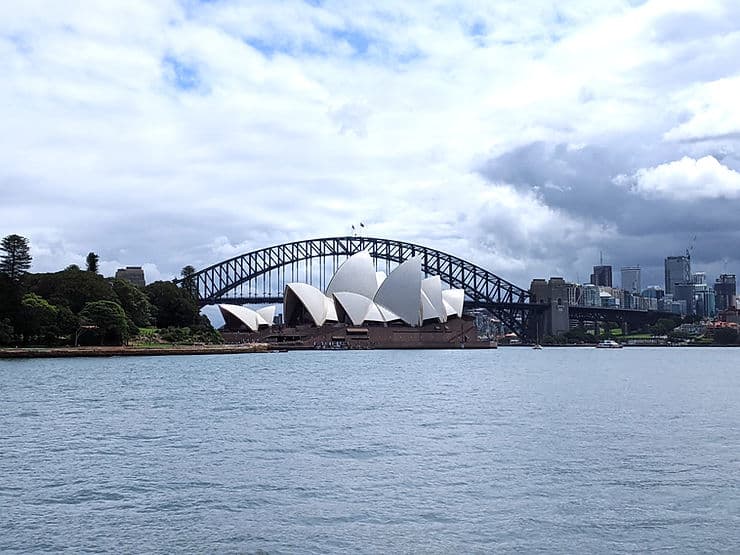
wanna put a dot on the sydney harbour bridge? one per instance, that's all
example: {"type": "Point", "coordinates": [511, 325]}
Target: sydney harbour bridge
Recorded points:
{"type": "Point", "coordinates": [259, 277]}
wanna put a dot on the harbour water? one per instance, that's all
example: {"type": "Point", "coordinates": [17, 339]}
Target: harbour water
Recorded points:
{"type": "Point", "coordinates": [512, 450]}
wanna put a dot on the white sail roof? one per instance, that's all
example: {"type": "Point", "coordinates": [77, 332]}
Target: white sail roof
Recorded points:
{"type": "Point", "coordinates": [250, 318]}
{"type": "Point", "coordinates": [356, 306]}
{"type": "Point", "coordinates": [388, 315]}
{"type": "Point", "coordinates": [331, 310]}
{"type": "Point", "coordinates": [369, 296]}
{"type": "Point", "coordinates": [268, 313]}
{"type": "Point", "coordinates": [401, 291]}
{"type": "Point", "coordinates": [427, 308]}
{"type": "Point", "coordinates": [375, 315]}
{"type": "Point", "coordinates": [356, 275]}
{"type": "Point", "coordinates": [431, 287]}
{"type": "Point", "coordinates": [456, 299]}
{"type": "Point", "coordinates": [448, 309]}
{"type": "Point", "coordinates": [311, 298]}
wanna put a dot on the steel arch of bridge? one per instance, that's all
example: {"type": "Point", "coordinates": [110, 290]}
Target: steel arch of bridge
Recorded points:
{"type": "Point", "coordinates": [482, 288]}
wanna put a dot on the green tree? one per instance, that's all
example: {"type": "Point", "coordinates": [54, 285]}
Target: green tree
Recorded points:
{"type": "Point", "coordinates": [16, 259]}
{"type": "Point", "coordinates": [173, 306]}
{"type": "Point", "coordinates": [188, 281]}
{"type": "Point", "coordinates": [132, 330]}
{"type": "Point", "coordinates": [134, 302]}
{"type": "Point", "coordinates": [725, 336]}
{"type": "Point", "coordinates": [579, 335]}
{"type": "Point", "coordinates": [7, 333]}
{"type": "Point", "coordinates": [110, 320]}
{"type": "Point", "coordinates": [92, 262]}
{"type": "Point", "coordinates": [204, 332]}
{"type": "Point", "coordinates": [691, 319]}
{"type": "Point", "coordinates": [176, 335]}
{"type": "Point", "coordinates": [663, 326]}
{"type": "Point", "coordinates": [10, 298]}
{"type": "Point", "coordinates": [38, 319]}
{"type": "Point", "coordinates": [67, 321]}
{"type": "Point", "coordinates": [73, 288]}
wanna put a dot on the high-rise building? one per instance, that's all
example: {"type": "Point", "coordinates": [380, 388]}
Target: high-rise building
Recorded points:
{"type": "Point", "coordinates": [602, 276]}
{"type": "Point", "coordinates": [653, 292]}
{"type": "Point", "coordinates": [704, 300]}
{"type": "Point", "coordinates": [725, 289]}
{"type": "Point", "coordinates": [677, 270]}
{"type": "Point", "coordinates": [631, 279]}
{"type": "Point", "coordinates": [685, 292]}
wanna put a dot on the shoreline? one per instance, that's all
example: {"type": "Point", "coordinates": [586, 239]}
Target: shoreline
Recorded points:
{"type": "Point", "coordinates": [228, 349]}
{"type": "Point", "coordinates": [70, 352]}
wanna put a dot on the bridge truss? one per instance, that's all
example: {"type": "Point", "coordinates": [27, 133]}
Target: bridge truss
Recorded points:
{"type": "Point", "coordinates": [260, 276]}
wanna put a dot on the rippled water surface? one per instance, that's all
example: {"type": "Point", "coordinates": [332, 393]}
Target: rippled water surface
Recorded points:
{"type": "Point", "coordinates": [514, 450]}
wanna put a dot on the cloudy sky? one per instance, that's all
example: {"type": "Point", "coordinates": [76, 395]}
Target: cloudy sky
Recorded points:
{"type": "Point", "coordinates": [526, 136]}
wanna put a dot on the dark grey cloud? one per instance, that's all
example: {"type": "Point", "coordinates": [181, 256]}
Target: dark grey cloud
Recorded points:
{"type": "Point", "coordinates": [580, 182]}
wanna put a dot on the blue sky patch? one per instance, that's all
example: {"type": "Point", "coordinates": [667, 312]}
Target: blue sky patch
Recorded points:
{"type": "Point", "coordinates": [265, 47]}
{"type": "Point", "coordinates": [180, 74]}
{"type": "Point", "coordinates": [477, 29]}
{"type": "Point", "coordinates": [357, 40]}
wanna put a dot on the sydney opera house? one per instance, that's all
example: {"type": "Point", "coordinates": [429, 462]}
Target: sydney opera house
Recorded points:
{"type": "Point", "coordinates": [361, 308]}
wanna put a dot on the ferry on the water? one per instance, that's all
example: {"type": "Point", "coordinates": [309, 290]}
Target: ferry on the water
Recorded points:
{"type": "Point", "coordinates": [608, 344]}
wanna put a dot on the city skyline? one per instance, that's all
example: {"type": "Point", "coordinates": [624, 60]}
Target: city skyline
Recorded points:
{"type": "Point", "coordinates": [525, 137]}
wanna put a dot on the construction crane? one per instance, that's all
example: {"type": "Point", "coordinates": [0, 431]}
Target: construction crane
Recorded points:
{"type": "Point", "coordinates": [690, 248]}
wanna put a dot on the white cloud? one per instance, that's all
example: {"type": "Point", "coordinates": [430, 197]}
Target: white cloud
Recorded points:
{"type": "Point", "coordinates": [304, 119]}
{"type": "Point", "coordinates": [714, 111]}
{"type": "Point", "coordinates": [685, 179]}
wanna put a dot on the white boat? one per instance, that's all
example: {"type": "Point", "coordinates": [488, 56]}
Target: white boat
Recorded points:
{"type": "Point", "coordinates": [537, 346]}
{"type": "Point", "coordinates": [608, 344]}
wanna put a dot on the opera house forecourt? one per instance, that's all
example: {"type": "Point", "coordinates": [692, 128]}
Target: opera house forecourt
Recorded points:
{"type": "Point", "coordinates": [361, 309]}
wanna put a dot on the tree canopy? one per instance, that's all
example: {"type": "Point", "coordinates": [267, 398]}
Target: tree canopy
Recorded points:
{"type": "Point", "coordinates": [38, 319]}
{"type": "Point", "coordinates": [16, 258]}
{"type": "Point", "coordinates": [173, 306]}
{"type": "Point", "coordinates": [92, 262]}
{"type": "Point", "coordinates": [10, 297]}
{"type": "Point", "coordinates": [7, 332]}
{"type": "Point", "coordinates": [49, 308]}
{"type": "Point", "coordinates": [72, 288]}
{"type": "Point", "coordinates": [134, 302]}
{"type": "Point", "coordinates": [188, 282]}
{"type": "Point", "coordinates": [725, 336]}
{"type": "Point", "coordinates": [109, 319]}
